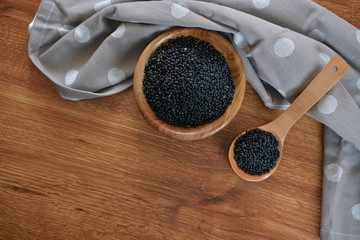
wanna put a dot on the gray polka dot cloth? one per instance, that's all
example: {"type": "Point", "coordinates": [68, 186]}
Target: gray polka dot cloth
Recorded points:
{"type": "Point", "coordinates": [89, 49]}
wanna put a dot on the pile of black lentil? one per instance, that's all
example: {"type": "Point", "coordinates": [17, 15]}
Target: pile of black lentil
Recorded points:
{"type": "Point", "coordinates": [187, 82]}
{"type": "Point", "coordinates": [255, 152]}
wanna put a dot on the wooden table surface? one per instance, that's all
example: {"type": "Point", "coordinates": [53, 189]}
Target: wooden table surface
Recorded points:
{"type": "Point", "coordinates": [94, 169]}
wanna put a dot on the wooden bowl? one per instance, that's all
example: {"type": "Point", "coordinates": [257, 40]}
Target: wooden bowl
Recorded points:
{"type": "Point", "coordinates": [236, 67]}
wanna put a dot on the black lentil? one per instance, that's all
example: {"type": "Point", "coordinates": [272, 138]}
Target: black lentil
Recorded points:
{"type": "Point", "coordinates": [255, 152]}
{"type": "Point", "coordinates": [187, 82]}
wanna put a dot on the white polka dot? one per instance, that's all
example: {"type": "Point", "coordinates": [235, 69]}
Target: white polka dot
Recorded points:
{"type": "Point", "coordinates": [240, 40]}
{"type": "Point", "coordinates": [284, 47]}
{"type": "Point", "coordinates": [82, 34]}
{"type": "Point", "coordinates": [317, 35]}
{"type": "Point", "coordinates": [327, 104]}
{"type": "Point", "coordinates": [326, 58]}
{"type": "Point", "coordinates": [260, 4]}
{"type": "Point", "coordinates": [64, 29]}
{"type": "Point", "coordinates": [358, 83]}
{"type": "Point", "coordinates": [333, 172]}
{"type": "Point", "coordinates": [179, 10]}
{"type": "Point", "coordinates": [355, 211]}
{"type": "Point", "coordinates": [71, 76]}
{"type": "Point", "coordinates": [119, 32]}
{"type": "Point", "coordinates": [358, 35]}
{"type": "Point", "coordinates": [100, 5]}
{"type": "Point", "coordinates": [116, 75]}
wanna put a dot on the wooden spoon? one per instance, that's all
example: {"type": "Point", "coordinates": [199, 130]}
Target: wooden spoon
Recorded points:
{"type": "Point", "coordinates": [279, 127]}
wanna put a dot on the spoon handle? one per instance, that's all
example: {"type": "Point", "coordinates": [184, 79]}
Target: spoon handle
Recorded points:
{"type": "Point", "coordinates": [322, 83]}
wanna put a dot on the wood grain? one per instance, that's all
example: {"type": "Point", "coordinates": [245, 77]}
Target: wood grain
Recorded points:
{"type": "Point", "coordinates": [232, 58]}
{"type": "Point", "coordinates": [96, 170]}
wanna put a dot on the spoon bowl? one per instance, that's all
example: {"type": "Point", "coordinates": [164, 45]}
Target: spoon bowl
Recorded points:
{"type": "Point", "coordinates": [250, 177]}
{"type": "Point", "coordinates": [322, 83]}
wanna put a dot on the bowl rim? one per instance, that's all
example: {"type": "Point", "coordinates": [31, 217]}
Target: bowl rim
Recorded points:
{"type": "Point", "coordinates": [232, 58]}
